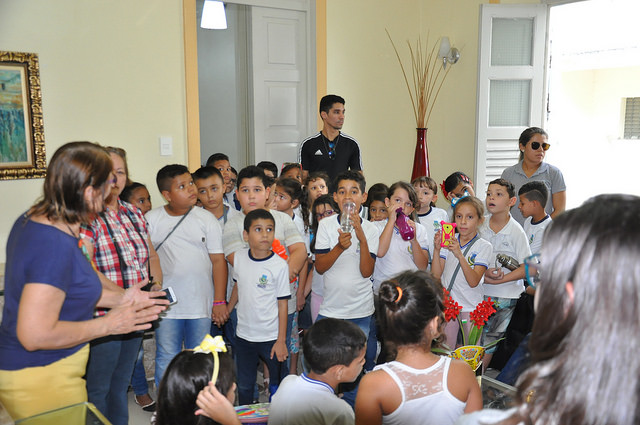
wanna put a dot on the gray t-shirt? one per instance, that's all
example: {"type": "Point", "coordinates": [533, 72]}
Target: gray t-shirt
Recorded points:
{"type": "Point", "coordinates": [548, 174]}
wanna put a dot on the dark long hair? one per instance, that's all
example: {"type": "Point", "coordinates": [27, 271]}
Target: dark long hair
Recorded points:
{"type": "Point", "coordinates": [320, 200]}
{"type": "Point", "coordinates": [73, 167]}
{"type": "Point", "coordinates": [297, 192]}
{"type": "Point", "coordinates": [406, 305]}
{"type": "Point", "coordinates": [585, 363]}
{"type": "Point", "coordinates": [186, 375]}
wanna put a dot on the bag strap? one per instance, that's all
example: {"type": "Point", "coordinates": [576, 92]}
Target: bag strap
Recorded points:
{"type": "Point", "coordinates": [174, 228]}
{"type": "Point", "coordinates": [464, 254]}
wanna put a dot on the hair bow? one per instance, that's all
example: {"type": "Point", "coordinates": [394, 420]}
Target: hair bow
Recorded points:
{"type": "Point", "coordinates": [214, 346]}
{"type": "Point", "coordinates": [444, 191]}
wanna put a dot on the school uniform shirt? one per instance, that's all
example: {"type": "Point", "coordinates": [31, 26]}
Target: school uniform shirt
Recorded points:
{"type": "Point", "coordinates": [512, 241]}
{"type": "Point", "coordinates": [479, 255]}
{"type": "Point", "coordinates": [535, 231]}
{"type": "Point", "coordinates": [432, 217]}
{"type": "Point", "coordinates": [399, 256]}
{"type": "Point", "coordinates": [301, 400]}
{"type": "Point", "coordinates": [347, 294]}
{"type": "Point", "coordinates": [184, 258]}
{"type": "Point", "coordinates": [261, 283]}
{"type": "Point", "coordinates": [286, 232]}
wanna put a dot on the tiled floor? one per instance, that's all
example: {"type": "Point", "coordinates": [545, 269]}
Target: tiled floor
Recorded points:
{"type": "Point", "coordinates": [137, 416]}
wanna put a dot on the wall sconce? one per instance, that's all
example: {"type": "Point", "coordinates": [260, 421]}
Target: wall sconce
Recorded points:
{"type": "Point", "coordinates": [213, 16]}
{"type": "Point", "coordinates": [447, 53]}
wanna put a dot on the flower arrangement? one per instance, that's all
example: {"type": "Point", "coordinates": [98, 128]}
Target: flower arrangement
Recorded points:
{"type": "Point", "coordinates": [428, 75]}
{"type": "Point", "coordinates": [478, 318]}
{"type": "Point", "coordinates": [470, 352]}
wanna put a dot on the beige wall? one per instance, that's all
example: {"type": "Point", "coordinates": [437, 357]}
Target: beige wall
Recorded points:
{"type": "Point", "coordinates": [362, 67]}
{"type": "Point", "coordinates": [111, 72]}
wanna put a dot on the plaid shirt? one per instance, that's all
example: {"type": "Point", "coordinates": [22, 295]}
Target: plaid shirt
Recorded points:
{"type": "Point", "coordinates": [120, 237]}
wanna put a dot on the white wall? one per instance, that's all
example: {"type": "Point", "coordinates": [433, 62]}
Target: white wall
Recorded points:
{"type": "Point", "coordinates": [112, 71]}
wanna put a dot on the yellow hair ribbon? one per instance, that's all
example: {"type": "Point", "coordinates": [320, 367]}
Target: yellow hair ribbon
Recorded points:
{"type": "Point", "coordinates": [214, 346]}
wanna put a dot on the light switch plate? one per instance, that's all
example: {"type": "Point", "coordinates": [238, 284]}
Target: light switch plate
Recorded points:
{"type": "Point", "coordinates": [166, 145]}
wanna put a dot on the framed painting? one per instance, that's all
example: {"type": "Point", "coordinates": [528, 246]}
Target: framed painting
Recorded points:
{"type": "Point", "coordinates": [22, 151]}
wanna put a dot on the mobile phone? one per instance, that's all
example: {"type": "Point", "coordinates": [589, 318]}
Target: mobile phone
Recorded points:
{"type": "Point", "coordinates": [170, 295]}
{"type": "Point", "coordinates": [448, 233]}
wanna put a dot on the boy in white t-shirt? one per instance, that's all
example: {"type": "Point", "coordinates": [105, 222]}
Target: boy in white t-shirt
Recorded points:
{"type": "Point", "coordinates": [262, 282]}
{"type": "Point", "coordinates": [210, 191]}
{"type": "Point", "coordinates": [347, 260]}
{"type": "Point", "coordinates": [427, 212]}
{"type": "Point", "coordinates": [533, 197]}
{"type": "Point", "coordinates": [507, 237]}
{"type": "Point", "coordinates": [334, 353]}
{"type": "Point", "coordinates": [189, 243]}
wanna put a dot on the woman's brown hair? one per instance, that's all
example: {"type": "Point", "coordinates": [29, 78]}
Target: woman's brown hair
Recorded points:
{"type": "Point", "coordinates": [73, 167]}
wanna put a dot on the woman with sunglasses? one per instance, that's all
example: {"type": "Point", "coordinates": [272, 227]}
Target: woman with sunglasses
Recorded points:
{"type": "Point", "coordinates": [533, 147]}
{"type": "Point", "coordinates": [584, 343]}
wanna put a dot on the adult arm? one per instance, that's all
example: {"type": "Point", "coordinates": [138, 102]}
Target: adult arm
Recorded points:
{"type": "Point", "coordinates": [39, 328]}
{"type": "Point", "coordinates": [559, 200]}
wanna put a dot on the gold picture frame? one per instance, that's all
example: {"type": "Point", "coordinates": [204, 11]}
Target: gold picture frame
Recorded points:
{"type": "Point", "coordinates": [22, 150]}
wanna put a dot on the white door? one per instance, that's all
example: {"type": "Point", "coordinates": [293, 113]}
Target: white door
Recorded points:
{"type": "Point", "coordinates": [281, 85]}
{"type": "Point", "coordinates": [511, 85]}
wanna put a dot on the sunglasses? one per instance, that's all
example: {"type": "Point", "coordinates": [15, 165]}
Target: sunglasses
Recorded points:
{"type": "Point", "coordinates": [536, 145]}
{"type": "Point", "coordinates": [332, 150]}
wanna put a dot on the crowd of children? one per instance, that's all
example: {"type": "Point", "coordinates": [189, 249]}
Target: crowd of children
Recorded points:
{"type": "Point", "coordinates": [250, 256]}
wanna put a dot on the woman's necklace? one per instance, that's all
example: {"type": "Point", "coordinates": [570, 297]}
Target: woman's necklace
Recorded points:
{"type": "Point", "coordinates": [82, 246]}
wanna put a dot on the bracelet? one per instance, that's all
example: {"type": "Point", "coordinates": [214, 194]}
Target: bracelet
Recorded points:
{"type": "Point", "coordinates": [219, 303]}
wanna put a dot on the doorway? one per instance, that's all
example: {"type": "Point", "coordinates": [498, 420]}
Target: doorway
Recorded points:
{"type": "Point", "coordinates": [256, 81]}
{"type": "Point", "coordinates": [594, 68]}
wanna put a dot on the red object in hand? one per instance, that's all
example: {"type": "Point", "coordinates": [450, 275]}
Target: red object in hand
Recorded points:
{"type": "Point", "coordinates": [279, 249]}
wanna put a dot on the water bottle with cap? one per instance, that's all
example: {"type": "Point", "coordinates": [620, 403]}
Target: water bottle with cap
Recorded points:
{"type": "Point", "coordinates": [346, 225]}
{"type": "Point", "coordinates": [406, 231]}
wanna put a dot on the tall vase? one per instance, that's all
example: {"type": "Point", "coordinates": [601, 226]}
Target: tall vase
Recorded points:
{"type": "Point", "coordinates": [421, 156]}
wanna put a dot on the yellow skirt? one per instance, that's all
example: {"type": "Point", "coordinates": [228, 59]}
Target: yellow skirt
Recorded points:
{"type": "Point", "coordinates": [32, 390]}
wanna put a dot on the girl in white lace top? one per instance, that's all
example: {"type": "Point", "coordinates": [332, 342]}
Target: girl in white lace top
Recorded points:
{"type": "Point", "coordinates": [418, 387]}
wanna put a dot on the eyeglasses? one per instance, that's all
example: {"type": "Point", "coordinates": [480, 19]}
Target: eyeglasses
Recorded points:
{"type": "Point", "coordinates": [326, 213]}
{"type": "Point", "coordinates": [532, 270]}
{"type": "Point", "coordinates": [536, 145]}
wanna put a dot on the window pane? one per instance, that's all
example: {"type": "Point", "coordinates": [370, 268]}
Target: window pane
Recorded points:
{"type": "Point", "coordinates": [511, 42]}
{"type": "Point", "coordinates": [632, 118]}
{"type": "Point", "coordinates": [509, 103]}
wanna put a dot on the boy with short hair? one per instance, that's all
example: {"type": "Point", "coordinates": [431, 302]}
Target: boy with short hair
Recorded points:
{"type": "Point", "coordinates": [269, 168]}
{"type": "Point", "coordinates": [221, 162]}
{"type": "Point", "coordinates": [262, 282]}
{"type": "Point", "coordinates": [334, 353]}
{"type": "Point", "coordinates": [253, 192]}
{"type": "Point", "coordinates": [533, 197]}
{"type": "Point", "coordinates": [210, 191]}
{"type": "Point", "coordinates": [507, 237]}
{"type": "Point", "coordinates": [189, 243]}
{"type": "Point", "coordinates": [347, 261]}
{"type": "Point", "coordinates": [427, 212]}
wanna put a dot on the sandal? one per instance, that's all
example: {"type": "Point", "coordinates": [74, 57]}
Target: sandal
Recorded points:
{"type": "Point", "coordinates": [148, 407]}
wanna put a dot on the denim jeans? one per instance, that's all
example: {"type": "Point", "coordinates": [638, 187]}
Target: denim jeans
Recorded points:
{"type": "Point", "coordinates": [109, 369]}
{"type": "Point", "coordinates": [247, 355]}
{"type": "Point", "coordinates": [139, 378]}
{"type": "Point", "coordinates": [171, 334]}
{"type": "Point", "coordinates": [350, 390]}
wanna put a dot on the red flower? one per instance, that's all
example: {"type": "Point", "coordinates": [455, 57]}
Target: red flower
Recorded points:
{"type": "Point", "coordinates": [481, 314]}
{"type": "Point", "coordinates": [451, 308]}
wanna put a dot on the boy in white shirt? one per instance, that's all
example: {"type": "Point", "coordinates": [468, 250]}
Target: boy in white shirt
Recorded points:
{"type": "Point", "coordinates": [533, 197]}
{"type": "Point", "coordinates": [507, 237]}
{"type": "Point", "coordinates": [262, 282]}
{"type": "Point", "coordinates": [347, 260]}
{"type": "Point", "coordinates": [189, 243]}
{"type": "Point", "coordinates": [334, 353]}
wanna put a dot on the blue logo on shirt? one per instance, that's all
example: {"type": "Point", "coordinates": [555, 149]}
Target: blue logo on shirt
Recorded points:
{"type": "Point", "coordinates": [472, 259]}
{"type": "Point", "coordinates": [262, 282]}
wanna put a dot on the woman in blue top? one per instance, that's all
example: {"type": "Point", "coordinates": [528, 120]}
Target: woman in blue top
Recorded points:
{"type": "Point", "coordinates": [52, 288]}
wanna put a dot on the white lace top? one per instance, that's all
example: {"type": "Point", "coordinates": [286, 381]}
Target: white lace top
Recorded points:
{"type": "Point", "coordinates": [426, 398]}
